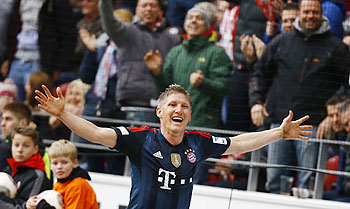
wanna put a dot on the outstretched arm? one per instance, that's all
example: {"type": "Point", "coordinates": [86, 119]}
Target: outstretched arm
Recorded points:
{"type": "Point", "coordinates": [80, 126]}
{"type": "Point", "coordinates": [252, 141]}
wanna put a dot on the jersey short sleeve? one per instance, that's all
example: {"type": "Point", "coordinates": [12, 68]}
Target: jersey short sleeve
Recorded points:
{"type": "Point", "coordinates": [209, 146]}
{"type": "Point", "coordinates": [129, 141]}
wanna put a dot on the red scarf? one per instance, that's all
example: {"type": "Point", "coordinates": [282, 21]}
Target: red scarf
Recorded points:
{"type": "Point", "coordinates": [206, 33]}
{"type": "Point", "coordinates": [36, 161]}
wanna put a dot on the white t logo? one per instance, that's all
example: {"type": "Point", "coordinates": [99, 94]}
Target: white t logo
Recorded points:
{"type": "Point", "coordinates": [166, 178]}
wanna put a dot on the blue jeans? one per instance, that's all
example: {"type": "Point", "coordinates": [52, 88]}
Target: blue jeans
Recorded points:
{"type": "Point", "coordinates": [20, 73]}
{"type": "Point", "coordinates": [291, 152]}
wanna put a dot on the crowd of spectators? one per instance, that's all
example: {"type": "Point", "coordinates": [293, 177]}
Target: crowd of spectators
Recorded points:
{"type": "Point", "coordinates": [244, 62]}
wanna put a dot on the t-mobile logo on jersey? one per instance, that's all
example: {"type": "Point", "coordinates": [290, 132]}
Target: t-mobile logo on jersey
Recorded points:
{"type": "Point", "coordinates": [168, 179]}
{"type": "Point", "coordinates": [167, 176]}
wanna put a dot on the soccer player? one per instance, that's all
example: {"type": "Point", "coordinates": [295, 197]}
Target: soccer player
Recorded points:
{"type": "Point", "coordinates": [164, 160]}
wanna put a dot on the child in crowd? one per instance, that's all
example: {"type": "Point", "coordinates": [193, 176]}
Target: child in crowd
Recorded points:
{"type": "Point", "coordinates": [26, 167]}
{"type": "Point", "coordinates": [71, 179]}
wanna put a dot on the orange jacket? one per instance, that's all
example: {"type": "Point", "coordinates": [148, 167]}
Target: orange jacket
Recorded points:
{"type": "Point", "coordinates": [77, 194]}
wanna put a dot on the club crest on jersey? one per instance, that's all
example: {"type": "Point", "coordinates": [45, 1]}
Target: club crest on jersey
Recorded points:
{"type": "Point", "coordinates": [219, 140]}
{"type": "Point", "coordinates": [191, 157]}
{"type": "Point", "coordinates": [176, 159]}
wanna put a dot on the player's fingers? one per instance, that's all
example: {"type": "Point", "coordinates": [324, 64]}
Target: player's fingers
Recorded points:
{"type": "Point", "coordinates": [41, 101]}
{"type": "Point", "coordinates": [306, 132]}
{"type": "Point", "coordinates": [59, 93]}
{"type": "Point", "coordinates": [290, 116]}
{"type": "Point", "coordinates": [41, 95]}
{"type": "Point", "coordinates": [47, 91]}
{"type": "Point", "coordinates": [42, 107]}
{"type": "Point", "coordinates": [303, 137]}
{"type": "Point", "coordinates": [306, 127]}
{"type": "Point", "coordinates": [303, 119]}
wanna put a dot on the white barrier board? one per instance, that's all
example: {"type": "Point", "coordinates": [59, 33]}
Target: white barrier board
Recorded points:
{"type": "Point", "coordinates": [113, 192]}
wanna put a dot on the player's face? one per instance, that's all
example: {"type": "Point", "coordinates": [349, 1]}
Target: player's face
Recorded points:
{"type": "Point", "coordinates": [62, 166]}
{"type": "Point", "coordinates": [23, 147]}
{"type": "Point", "coordinates": [310, 15]}
{"type": "Point", "coordinates": [175, 113]}
{"type": "Point", "coordinates": [8, 123]}
{"type": "Point", "coordinates": [332, 111]}
{"type": "Point", "coordinates": [288, 17]}
{"type": "Point", "coordinates": [148, 11]}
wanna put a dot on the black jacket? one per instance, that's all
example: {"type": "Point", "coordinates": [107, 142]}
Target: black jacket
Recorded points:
{"type": "Point", "coordinates": [31, 182]}
{"type": "Point", "coordinates": [305, 72]}
{"type": "Point", "coordinates": [57, 35]}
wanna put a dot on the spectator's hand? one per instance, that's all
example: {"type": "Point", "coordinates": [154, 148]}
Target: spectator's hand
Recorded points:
{"type": "Point", "coordinates": [346, 40]}
{"type": "Point", "coordinates": [196, 78]}
{"type": "Point", "coordinates": [154, 61]}
{"type": "Point", "coordinates": [258, 113]}
{"type": "Point", "coordinates": [49, 103]}
{"type": "Point", "coordinates": [33, 201]}
{"type": "Point", "coordinates": [247, 47]}
{"type": "Point", "coordinates": [88, 39]}
{"type": "Point", "coordinates": [5, 68]}
{"type": "Point", "coordinates": [292, 129]}
{"type": "Point", "coordinates": [323, 127]}
{"type": "Point", "coordinates": [259, 45]}
{"type": "Point", "coordinates": [271, 28]}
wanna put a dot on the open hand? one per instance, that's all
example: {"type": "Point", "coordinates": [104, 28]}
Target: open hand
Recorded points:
{"type": "Point", "coordinates": [247, 47]}
{"type": "Point", "coordinates": [153, 61]}
{"type": "Point", "coordinates": [49, 103]}
{"type": "Point", "coordinates": [293, 129]}
{"type": "Point", "coordinates": [88, 39]}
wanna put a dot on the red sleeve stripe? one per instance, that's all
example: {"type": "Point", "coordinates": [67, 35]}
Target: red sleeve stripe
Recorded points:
{"type": "Point", "coordinates": [206, 135]}
{"type": "Point", "coordinates": [143, 128]}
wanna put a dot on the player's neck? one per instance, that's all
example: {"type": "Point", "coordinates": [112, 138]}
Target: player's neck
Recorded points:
{"type": "Point", "coordinates": [173, 138]}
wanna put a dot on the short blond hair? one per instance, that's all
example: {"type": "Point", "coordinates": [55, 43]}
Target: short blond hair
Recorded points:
{"type": "Point", "coordinates": [63, 148]}
{"type": "Point", "coordinates": [173, 88]}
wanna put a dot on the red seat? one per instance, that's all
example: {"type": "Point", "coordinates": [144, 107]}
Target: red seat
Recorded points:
{"type": "Point", "coordinates": [332, 164]}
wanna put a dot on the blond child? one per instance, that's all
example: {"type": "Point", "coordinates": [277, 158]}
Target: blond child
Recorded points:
{"type": "Point", "coordinates": [71, 179]}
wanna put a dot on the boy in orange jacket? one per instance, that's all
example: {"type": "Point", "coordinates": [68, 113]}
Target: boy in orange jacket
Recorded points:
{"type": "Point", "coordinates": [71, 179]}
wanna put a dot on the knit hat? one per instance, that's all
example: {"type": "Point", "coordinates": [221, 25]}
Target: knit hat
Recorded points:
{"type": "Point", "coordinates": [206, 16]}
{"type": "Point", "coordinates": [8, 87]}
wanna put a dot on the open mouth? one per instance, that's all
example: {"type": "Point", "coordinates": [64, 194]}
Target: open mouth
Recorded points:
{"type": "Point", "coordinates": [177, 119]}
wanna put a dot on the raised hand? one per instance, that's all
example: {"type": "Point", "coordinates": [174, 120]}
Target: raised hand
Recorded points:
{"type": "Point", "coordinates": [88, 39]}
{"type": "Point", "coordinates": [49, 103]}
{"type": "Point", "coordinates": [154, 61]}
{"type": "Point", "coordinates": [247, 47]}
{"type": "Point", "coordinates": [293, 129]}
{"type": "Point", "coordinates": [259, 46]}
